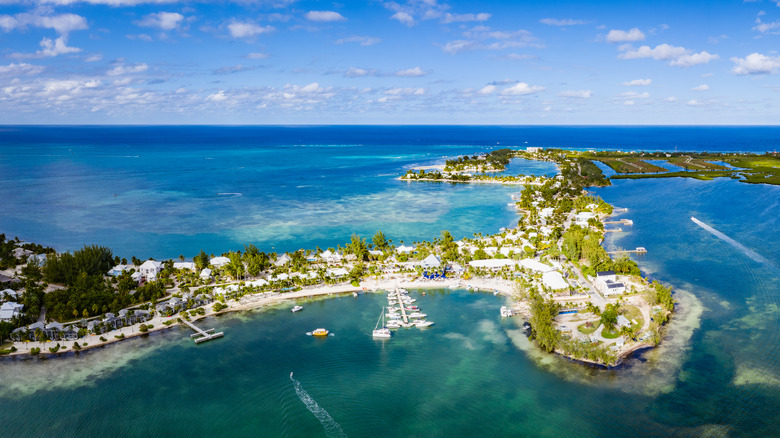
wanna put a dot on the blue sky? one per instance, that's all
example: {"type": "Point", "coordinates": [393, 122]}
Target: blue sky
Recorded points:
{"type": "Point", "coordinates": [389, 62]}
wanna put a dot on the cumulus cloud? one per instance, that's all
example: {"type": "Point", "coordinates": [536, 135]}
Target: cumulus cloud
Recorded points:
{"type": "Point", "coordinates": [485, 38]}
{"type": "Point", "coordinates": [463, 18]}
{"type": "Point", "coordinates": [487, 90]}
{"type": "Point", "coordinates": [694, 102]}
{"type": "Point", "coordinates": [120, 70]}
{"type": "Point", "coordinates": [162, 20]}
{"type": "Point", "coordinates": [576, 94]}
{"type": "Point", "coordinates": [62, 24]}
{"type": "Point", "coordinates": [702, 87]}
{"type": "Point", "coordinates": [560, 21]}
{"type": "Point", "coordinates": [772, 28]}
{"type": "Point", "coordinates": [756, 64]}
{"type": "Point", "coordinates": [411, 72]}
{"type": "Point", "coordinates": [324, 16]}
{"type": "Point", "coordinates": [49, 48]}
{"type": "Point", "coordinates": [638, 82]}
{"type": "Point", "coordinates": [362, 40]}
{"type": "Point", "coordinates": [20, 69]}
{"type": "Point", "coordinates": [257, 55]}
{"type": "Point", "coordinates": [520, 89]}
{"type": "Point", "coordinates": [230, 69]}
{"type": "Point", "coordinates": [634, 95]}
{"type": "Point", "coordinates": [622, 36]}
{"type": "Point", "coordinates": [354, 72]}
{"type": "Point", "coordinates": [247, 30]}
{"type": "Point", "coordinates": [403, 17]}
{"type": "Point", "coordinates": [678, 56]}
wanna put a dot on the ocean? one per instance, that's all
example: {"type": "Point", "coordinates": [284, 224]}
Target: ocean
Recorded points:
{"type": "Point", "coordinates": [717, 372]}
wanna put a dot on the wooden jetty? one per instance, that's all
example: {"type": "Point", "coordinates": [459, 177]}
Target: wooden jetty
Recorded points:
{"type": "Point", "coordinates": [638, 250]}
{"type": "Point", "coordinates": [401, 304]}
{"type": "Point", "coordinates": [202, 335]}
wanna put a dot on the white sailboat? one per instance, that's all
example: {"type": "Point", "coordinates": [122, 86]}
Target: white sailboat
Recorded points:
{"type": "Point", "coordinates": [383, 332]}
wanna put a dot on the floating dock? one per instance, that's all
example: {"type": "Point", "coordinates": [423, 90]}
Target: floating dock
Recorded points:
{"type": "Point", "coordinates": [638, 250]}
{"type": "Point", "coordinates": [202, 335]}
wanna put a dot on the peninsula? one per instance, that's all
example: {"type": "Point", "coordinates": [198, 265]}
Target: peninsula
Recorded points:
{"type": "Point", "coordinates": [551, 268]}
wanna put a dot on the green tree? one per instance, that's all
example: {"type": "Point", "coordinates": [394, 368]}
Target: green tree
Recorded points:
{"type": "Point", "coordinates": [609, 316]}
{"type": "Point", "coordinates": [380, 241]}
{"type": "Point", "coordinates": [201, 260]}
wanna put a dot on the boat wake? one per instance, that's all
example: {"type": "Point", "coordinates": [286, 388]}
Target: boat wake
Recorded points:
{"type": "Point", "coordinates": [748, 252]}
{"type": "Point", "coordinates": [332, 429]}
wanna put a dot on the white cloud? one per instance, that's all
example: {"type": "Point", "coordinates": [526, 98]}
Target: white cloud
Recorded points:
{"type": "Point", "coordinates": [324, 16]}
{"type": "Point", "coordinates": [694, 59]}
{"type": "Point", "coordinates": [93, 58]}
{"type": "Point", "coordinates": [634, 95]}
{"type": "Point", "coordinates": [162, 20]}
{"type": "Point", "coordinates": [702, 87]}
{"type": "Point", "coordinates": [518, 57]}
{"type": "Point", "coordinates": [756, 64]}
{"type": "Point", "coordinates": [20, 69]}
{"type": "Point", "coordinates": [363, 40]}
{"type": "Point", "coordinates": [638, 82]}
{"type": "Point", "coordinates": [487, 90]}
{"type": "Point", "coordinates": [679, 56]}
{"type": "Point", "coordinates": [398, 91]}
{"type": "Point", "coordinates": [772, 28]}
{"type": "Point", "coordinates": [629, 103]}
{"type": "Point", "coordinates": [463, 18]}
{"type": "Point", "coordinates": [561, 21]}
{"type": "Point", "coordinates": [247, 30]}
{"type": "Point", "coordinates": [403, 17]}
{"type": "Point", "coordinates": [50, 48]}
{"type": "Point", "coordinates": [622, 36]}
{"type": "Point", "coordinates": [694, 102]}
{"type": "Point", "coordinates": [520, 89]}
{"type": "Point", "coordinates": [576, 94]}
{"type": "Point", "coordinates": [484, 38]}
{"type": "Point", "coordinates": [353, 72]}
{"type": "Point", "coordinates": [62, 24]}
{"type": "Point", "coordinates": [123, 70]}
{"type": "Point", "coordinates": [411, 72]}
{"type": "Point", "coordinates": [216, 97]}
{"type": "Point", "coordinates": [257, 55]}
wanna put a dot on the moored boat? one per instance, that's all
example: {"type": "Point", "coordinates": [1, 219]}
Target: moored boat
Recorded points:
{"type": "Point", "coordinates": [296, 309]}
{"type": "Point", "coordinates": [320, 332]}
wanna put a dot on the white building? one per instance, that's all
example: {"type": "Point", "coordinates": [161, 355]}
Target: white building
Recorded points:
{"type": "Point", "coordinates": [149, 269]}
{"type": "Point", "coordinates": [117, 270]}
{"type": "Point", "coordinates": [403, 249]}
{"type": "Point", "coordinates": [431, 261]}
{"type": "Point", "coordinates": [282, 260]}
{"type": "Point", "coordinates": [218, 262]}
{"type": "Point", "coordinates": [607, 283]}
{"type": "Point", "coordinates": [535, 265]}
{"type": "Point", "coordinates": [554, 280]}
{"type": "Point", "coordinates": [190, 266]}
{"type": "Point", "coordinates": [10, 293]}
{"type": "Point", "coordinates": [9, 310]}
{"type": "Point", "coordinates": [205, 274]}
{"type": "Point", "coordinates": [532, 149]}
{"type": "Point", "coordinates": [329, 256]}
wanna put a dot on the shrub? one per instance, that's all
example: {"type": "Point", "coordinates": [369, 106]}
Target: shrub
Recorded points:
{"type": "Point", "coordinates": [35, 350]}
{"type": "Point", "coordinates": [143, 328]}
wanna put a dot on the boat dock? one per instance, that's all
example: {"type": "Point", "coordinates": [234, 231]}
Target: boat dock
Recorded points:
{"type": "Point", "coordinates": [202, 335]}
{"type": "Point", "coordinates": [638, 250]}
{"type": "Point", "coordinates": [621, 222]}
{"type": "Point", "coordinates": [401, 305]}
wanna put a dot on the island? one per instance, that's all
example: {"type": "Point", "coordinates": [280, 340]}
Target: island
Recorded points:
{"type": "Point", "coordinates": [574, 298]}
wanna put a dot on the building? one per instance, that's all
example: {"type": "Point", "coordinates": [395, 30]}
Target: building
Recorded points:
{"type": "Point", "coordinates": [329, 256]}
{"type": "Point", "coordinates": [533, 150]}
{"type": "Point", "coordinates": [189, 266]}
{"type": "Point", "coordinates": [282, 260]}
{"type": "Point", "coordinates": [218, 262]}
{"type": "Point", "coordinates": [9, 310]}
{"type": "Point", "coordinates": [554, 280]}
{"type": "Point", "coordinates": [606, 282]}
{"type": "Point", "coordinates": [431, 261]}
{"type": "Point", "coordinates": [149, 269]}
{"type": "Point", "coordinates": [205, 274]}
{"type": "Point", "coordinates": [535, 265]}
{"type": "Point", "coordinates": [117, 270]}
{"type": "Point", "coordinates": [403, 249]}
{"type": "Point", "coordinates": [492, 263]}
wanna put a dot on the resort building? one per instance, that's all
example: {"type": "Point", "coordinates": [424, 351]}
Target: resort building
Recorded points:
{"type": "Point", "coordinates": [8, 294]}
{"type": "Point", "coordinates": [403, 249]}
{"type": "Point", "coordinates": [329, 256]}
{"type": "Point", "coordinates": [149, 269]}
{"type": "Point", "coordinates": [205, 274]}
{"type": "Point", "coordinates": [117, 270]}
{"type": "Point", "coordinates": [606, 282]}
{"type": "Point", "coordinates": [492, 263]}
{"type": "Point", "coordinates": [282, 260]}
{"type": "Point", "coordinates": [218, 262]}
{"type": "Point", "coordinates": [189, 266]}
{"type": "Point", "coordinates": [535, 265]}
{"type": "Point", "coordinates": [431, 261]}
{"type": "Point", "coordinates": [9, 310]}
{"type": "Point", "coordinates": [554, 280]}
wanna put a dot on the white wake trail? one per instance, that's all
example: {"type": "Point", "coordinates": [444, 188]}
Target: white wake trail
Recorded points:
{"type": "Point", "coordinates": [748, 252]}
{"type": "Point", "coordinates": [332, 429]}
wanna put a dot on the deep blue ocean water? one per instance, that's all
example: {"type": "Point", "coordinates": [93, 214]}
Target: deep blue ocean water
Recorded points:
{"type": "Point", "coordinates": [717, 372]}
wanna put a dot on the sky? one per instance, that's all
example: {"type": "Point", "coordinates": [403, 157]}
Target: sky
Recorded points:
{"type": "Point", "coordinates": [390, 62]}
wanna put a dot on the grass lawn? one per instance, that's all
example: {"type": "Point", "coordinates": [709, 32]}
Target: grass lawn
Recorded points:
{"type": "Point", "coordinates": [585, 330]}
{"type": "Point", "coordinates": [633, 312]}
{"type": "Point", "coordinates": [610, 335]}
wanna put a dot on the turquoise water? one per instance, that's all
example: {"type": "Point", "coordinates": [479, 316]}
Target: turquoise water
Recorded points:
{"type": "Point", "coordinates": [472, 374]}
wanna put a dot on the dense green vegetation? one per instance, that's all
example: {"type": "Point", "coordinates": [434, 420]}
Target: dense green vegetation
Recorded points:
{"type": "Point", "coordinates": [495, 160]}
{"type": "Point", "coordinates": [66, 268]}
{"type": "Point", "coordinates": [581, 244]}
{"type": "Point", "coordinates": [543, 311]}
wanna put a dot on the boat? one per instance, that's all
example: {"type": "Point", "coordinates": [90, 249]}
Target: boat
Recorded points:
{"type": "Point", "coordinates": [423, 323]}
{"type": "Point", "coordinates": [412, 308]}
{"type": "Point", "coordinates": [417, 315]}
{"type": "Point", "coordinates": [526, 326]}
{"type": "Point", "coordinates": [506, 312]}
{"type": "Point", "coordinates": [383, 332]}
{"type": "Point", "coordinates": [393, 324]}
{"type": "Point", "coordinates": [297, 309]}
{"type": "Point", "coordinates": [320, 332]}
{"type": "Point", "coordinates": [393, 316]}
{"type": "Point", "coordinates": [354, 294]}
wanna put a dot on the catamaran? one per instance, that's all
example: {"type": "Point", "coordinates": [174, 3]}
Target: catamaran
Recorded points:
{"type": "Point", "coordinates": [383, 332]}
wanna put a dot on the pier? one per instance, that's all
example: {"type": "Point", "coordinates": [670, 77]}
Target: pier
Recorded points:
{"type": "Point", "coordinates": [638, 250]}
{"type": "Point", "coordinates": [621, 222]}
{"type": "Point", "coordinates": [202, 335]}
{"type": "Point", "coordinates": [401, 304]}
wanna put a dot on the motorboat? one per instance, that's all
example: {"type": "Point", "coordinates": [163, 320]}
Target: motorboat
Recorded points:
{"type": "Point", "coordinates": [417, 315]}
{"type": "Point", "coordinates": [320, 332]}
{"type": "Point", "coordinates": [393, 324]}
{"type": "Point", "coordinates": [423, 323]}
{"type": "Point", "coordinates": [297, 309]}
